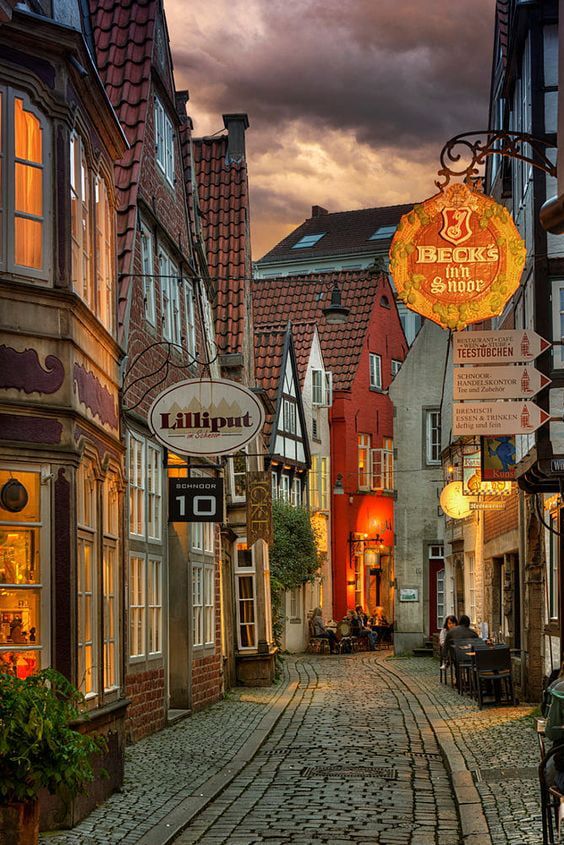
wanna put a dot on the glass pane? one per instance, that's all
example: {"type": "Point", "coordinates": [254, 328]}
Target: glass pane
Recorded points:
{"type": "Point", "coordinates": [19, 617]}
{"type": "Point", "coordinates": [247, 636]}
{"type": "Point", "coordinates": [29, 189]}
{"type": "Point", "coordinates": [19, 663]}
{"type": "Point", "coordinates": [246, 587]}
{"type": "Point", "coordinates": [30, 480]}
{"type": "Point", "coordinates": [19, 559]}
{"type": "Point", "coordinates": [561, 299]}
{"type": "Point", "coordinates": [28, 240]}
{"type": "Point", "coordinates": [27, 133]}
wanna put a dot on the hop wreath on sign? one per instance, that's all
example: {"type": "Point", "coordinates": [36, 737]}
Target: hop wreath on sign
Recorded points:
{"type": "Point", "coordinates": [457, 258]}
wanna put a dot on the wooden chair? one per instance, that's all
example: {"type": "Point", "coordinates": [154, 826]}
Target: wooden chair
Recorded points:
{"type": "Point", "coordinates": [493, 667]}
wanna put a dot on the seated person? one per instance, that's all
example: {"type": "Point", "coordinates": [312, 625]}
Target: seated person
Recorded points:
{"type": "Point", "coordinates": [361, 615]}
{"type": "Point", "coordinates": [379, 619]}
{"type": "Point", "coordinates": [360, 629]}
{"type": "Point", "coordinates": [319, 630]}
{"type": "Point", "coordinates": [450, 623]}
{"type": "Point", "coordinates": [462, 631]}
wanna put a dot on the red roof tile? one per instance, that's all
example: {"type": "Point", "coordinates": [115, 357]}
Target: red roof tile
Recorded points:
{"type": "Point", "coordinates": [304, 297]}
{"type": "Point", "coordinates": [224, 205]}
{"type": "Point", "coordinates": [124, 32]}
{"type": "Point", "coordinates": [344, 232]}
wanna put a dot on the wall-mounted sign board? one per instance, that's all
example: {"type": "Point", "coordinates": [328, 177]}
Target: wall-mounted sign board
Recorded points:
{"type": "Point", "coordinates": [492, 418]}
{"type": "Point", "coordinates": [510, 381]}
{"type": "Point", "coordinates": [497, 347]}
{"type": "Point", "coordinates": [409, 594]}
{"type": "Point", "coordinates": [195, 500]}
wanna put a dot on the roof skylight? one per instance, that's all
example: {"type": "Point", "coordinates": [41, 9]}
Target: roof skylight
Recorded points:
{"type": "Point", "coordinates": [308, 240]}
{"type": "Point", "coordinates": [382, 232]}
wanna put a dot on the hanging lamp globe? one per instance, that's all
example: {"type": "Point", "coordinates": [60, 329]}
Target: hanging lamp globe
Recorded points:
{"type": "Point", "coordinates": [336, 313]}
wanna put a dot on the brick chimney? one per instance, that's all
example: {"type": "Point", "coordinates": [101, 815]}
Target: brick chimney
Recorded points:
{"type": "Point", "coordinates": [236, 125]}
{"type": "Point", "coordinates": [318, 211]}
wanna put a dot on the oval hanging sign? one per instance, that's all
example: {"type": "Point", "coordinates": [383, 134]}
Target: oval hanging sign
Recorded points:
{"type": "Point", "coordinates": [457, 257]}
{"type": "Point", "coordinates": [453, 501]}
{"type": "Point", "coordinates": [206, 417]}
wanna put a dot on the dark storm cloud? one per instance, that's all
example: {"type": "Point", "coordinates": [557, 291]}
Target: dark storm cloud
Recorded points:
{"type": "Point", "coordinates": [397, 73]}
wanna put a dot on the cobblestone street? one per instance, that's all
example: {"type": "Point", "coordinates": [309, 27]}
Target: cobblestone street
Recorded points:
{"type": "Point", "coordinates": [351, 749]}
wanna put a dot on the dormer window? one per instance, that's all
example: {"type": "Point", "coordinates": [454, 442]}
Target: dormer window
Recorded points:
{"type": "Point", "coordinates": [382, 232]}
{"type": "Point", "coordinates": [308, 241]}
{"type": "Point", "coordinates": [164, 141]}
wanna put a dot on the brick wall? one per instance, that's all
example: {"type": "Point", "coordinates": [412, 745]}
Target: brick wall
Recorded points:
{"type": "Point", "coordinates": [146, 714]}
{"type": "Point", "coordinates": [497, 523]}
{"type": "Point", "coordinates": [206, 681]}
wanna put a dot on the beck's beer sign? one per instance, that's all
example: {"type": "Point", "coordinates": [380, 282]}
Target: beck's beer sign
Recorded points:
{"type": "Point", "coordinates": [457, 257]}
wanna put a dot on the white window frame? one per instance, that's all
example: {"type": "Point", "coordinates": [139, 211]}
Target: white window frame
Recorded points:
{"type": "Point", "coordinates": [148, 268]}
{"type": "Point", "coordinates": [137, 606]}
{"type": "Point", "coordinates": [104, 254]}
{"type": "Point", "coordinates": [432, 442]}
{"type": "Point", "coordinates": [314, 483]}
{"type": "Point", "coordinates": [164, 142]}
{"type": "Point", "coordinates": [324, 485]}
{"type": "Point", "coordinates": [396, 367]}
{"type": "Point", "coordinates": [235, 472]}
{"type": "Point", "coordinates": [275, 487]}
{"type": "Point", "coordinates": [137, 483]}
{"type": "Point", "coordinates": [87, 596]}
{"type": "Point", "coordinates": [209, 605]}
{"type": "Point", "coordinates": [154, 595]}
{"type": "Point", "coordinates": [375, 370]}
{"type": "Point", "coordinates": [190, 319]}
{"type": "Point", "coordinates": [321, 388]}
{"type": "Point", "coordinates": [364, 447]}
{"type": "Point", "coordinates": [284, 488]}
{"type": "Point", "coordinates": [250, 573]}
{"type": "Point", "coordinates": [110, 582]}
{"type": "Point", "coordinates": [296, 492]}
{"type": "Point", "coordinates": [82, 275]}
{"type": "Point", "coordinates": [197, 604]}
{"type": "Point", "coordinates": [154, 506]}
{"type": "Point", "coordinates": [382, 466]}
{"type": "Point", "coordinates": [290, 413]}
{"type": "Point", "coordinates": [170, 304]}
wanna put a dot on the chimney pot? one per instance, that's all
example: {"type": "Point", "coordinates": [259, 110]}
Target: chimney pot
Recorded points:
{"type": "Point", "coordinates": [236, 125]}
{"type": "Point", "coordinates": [318, 211]}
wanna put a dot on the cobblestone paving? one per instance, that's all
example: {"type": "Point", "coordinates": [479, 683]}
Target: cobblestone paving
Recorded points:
{"type": "Point", "coordinates": [161, 769]}
{"type": "Point", "coordinates": [352, 760]}
{"type": "Point", "coordinates": [490, 740]}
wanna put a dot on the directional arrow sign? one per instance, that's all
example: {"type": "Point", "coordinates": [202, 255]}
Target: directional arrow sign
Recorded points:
{"type": "Point", "coordinates": [500, 382]}
{"type": "Point", "coordinates": [497, 418]}
{"type": "Point", "coordinates": [499, 347]}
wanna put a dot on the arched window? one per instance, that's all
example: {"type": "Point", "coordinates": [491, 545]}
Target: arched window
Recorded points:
{"type": "Point", "coordinates": [24, 186]}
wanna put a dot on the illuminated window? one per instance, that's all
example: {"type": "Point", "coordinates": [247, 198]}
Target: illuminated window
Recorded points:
{"type": "Point", "coordinates": [203, 604]}
{"type": "Point", "coordinates": [137, 605]}
{"type": "Point", "coordinates": [308, 241]}
{"type": "Point", "coordinates": [246, 597]}
{"type": "Point", "coordinates": [111, 581]}
{"type": "Point", "coordinates": [104, 256]}
{"type": "Point", "coordinates": [155, 605]}
{"type": "Point", "coordinates": [29, 184]}
{"type": "Point", "coordinates": [154, 492]}
{"type": "Point", "coordinates": [164, 141]}
{"type": "Point", "coordinates": [137, 483]}
{"type": "Point", "coordinates": [148, 265]}
{"type": "Point", "coordinates": [314, 476]}
{"type": "Point", "coordinates": [145, 488]}
{"type": "Point", "coordinates": [23, 627]}
{"type": "Point", "coordinates": [364, 462]}
{"type": "Point", "coordinates": [87, 581]}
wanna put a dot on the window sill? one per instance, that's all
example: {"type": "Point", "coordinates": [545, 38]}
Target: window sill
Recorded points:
{"type": "Point", "coordinates": [376, 389]}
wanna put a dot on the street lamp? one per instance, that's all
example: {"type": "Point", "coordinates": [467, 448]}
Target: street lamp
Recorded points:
{"type": "Point", "coordinates": [336, 313]}
{"type": "Point", "coordinates": [338, 489]}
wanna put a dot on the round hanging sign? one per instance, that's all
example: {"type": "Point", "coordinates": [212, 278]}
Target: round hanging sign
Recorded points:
{"type": "Point", "coordinates": [453, 501]}
{"type": "Point", "coordinates": [457, 257]}
{"type": "Point", "coordinates": [206, 417]}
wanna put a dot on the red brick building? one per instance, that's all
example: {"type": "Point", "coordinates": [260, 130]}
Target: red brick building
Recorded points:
{"type": "Point", "coordinates": [362, 355]}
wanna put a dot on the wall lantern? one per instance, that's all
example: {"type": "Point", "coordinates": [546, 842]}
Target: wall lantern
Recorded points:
{"type": "Point", "coordinates": [336, 312]}
{"type": "Point", "coordinates": [338, 489]}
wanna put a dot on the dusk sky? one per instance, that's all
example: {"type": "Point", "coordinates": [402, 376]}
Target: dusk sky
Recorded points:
{"type": "Point", "coordinates": [349, 101]}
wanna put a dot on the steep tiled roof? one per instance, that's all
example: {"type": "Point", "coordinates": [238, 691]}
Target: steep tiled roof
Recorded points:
{"type": "Point", "coordinates": [224, 205]}
{"type": "Point", "coordinates": [344, 232]}
{"type": "Point", "coordinates": [303, 332]}
{"type": "Point", "coordinates": [124, 32]}
{"type": "Point", "coordinates": [502, 15]}
{"type": "Point", "coordinates": [269, 353]}
{"type": "Point", "coordinates": [304, 297]}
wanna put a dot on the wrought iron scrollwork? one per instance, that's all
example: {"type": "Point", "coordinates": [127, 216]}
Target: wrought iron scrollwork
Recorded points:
{"type": "Point", "coordinates": [480, 145]}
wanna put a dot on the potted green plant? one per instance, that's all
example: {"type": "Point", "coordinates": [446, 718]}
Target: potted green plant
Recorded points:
{"type": "Point", "coordinates": [39, 748]}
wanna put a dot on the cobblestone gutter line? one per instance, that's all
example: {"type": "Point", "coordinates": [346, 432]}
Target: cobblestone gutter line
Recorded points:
{"type": "Point", "coordinates": [471, 739]}
{"type": "Point", "coordinates": [171, 776]}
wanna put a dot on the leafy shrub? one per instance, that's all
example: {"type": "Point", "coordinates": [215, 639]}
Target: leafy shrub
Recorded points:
{"type": "Point", "coordinates": [38, 746]}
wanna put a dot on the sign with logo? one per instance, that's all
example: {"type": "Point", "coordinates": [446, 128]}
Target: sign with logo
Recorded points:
{"type": "Point", "coordinates": [497, 347]}
{"type": "Point", "coordinates": [492, 418]}
{"type": "Point", "coordinates": [498, 382]}
{"type": "Point", "coordinates": [498, 458]}
{"type": "Point", "coordinates": [473, 484]}
{"type": "Point", "coordinates": [195, 500]}
{"type": "Point", "coordinates": [259, 507]}
{"type": "Point", "coordinates": [206, 417]}
{"type": "Point", "coordinates": [457, 257]}
{"type": "Point", "coordinates": [409, 594]}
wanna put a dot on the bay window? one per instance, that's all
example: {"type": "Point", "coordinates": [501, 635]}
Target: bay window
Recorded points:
{"type": "Point", "coordinates": [245, 596]}
{"type": "Point", "coordinates": [110, 580]}
{"type": "Point", "coordinates": [24, 186]}
{"type": "Point", "coordinates": [104, 256]}
{"type": "Point", "coordinates": [87, 581]}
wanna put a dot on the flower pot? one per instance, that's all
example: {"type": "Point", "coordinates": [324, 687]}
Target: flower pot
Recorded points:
{"type": "Point", "coordinates": [19, 823]}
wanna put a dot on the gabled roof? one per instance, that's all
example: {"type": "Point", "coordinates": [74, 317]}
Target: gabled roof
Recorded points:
{"type": "Point", "coordinates": [304, 297]}
{"type": "Point", "coordinates": [124, 33]}
{"type": "Point", "coordinates": [303, 332]}
{"type": "Point", "coordinates": [224, 206]}
{"type": "Point", "coordinates": [343, 232]}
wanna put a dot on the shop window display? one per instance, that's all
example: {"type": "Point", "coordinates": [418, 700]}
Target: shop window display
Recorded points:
{"type": "Point", "coordinates": [20, 573]}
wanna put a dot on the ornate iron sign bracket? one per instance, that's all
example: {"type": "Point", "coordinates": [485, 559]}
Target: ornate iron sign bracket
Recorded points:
{"type": "Point", "coordinates": [480, 145]}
